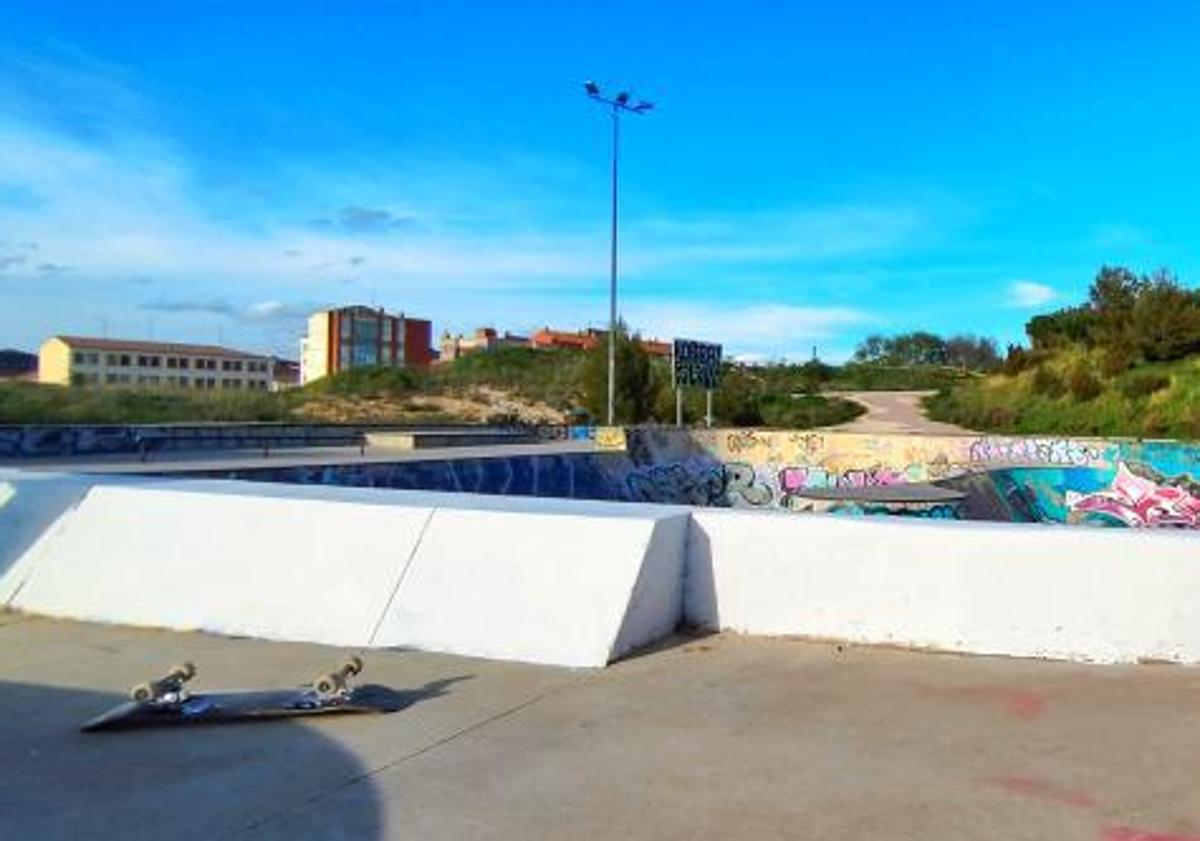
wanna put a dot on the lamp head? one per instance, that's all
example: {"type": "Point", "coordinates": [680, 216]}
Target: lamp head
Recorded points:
{"type": "Point", "coordinates": [591, 88]}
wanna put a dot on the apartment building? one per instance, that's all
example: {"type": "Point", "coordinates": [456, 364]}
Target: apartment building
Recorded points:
{"type": "Point", "coordinates": [358, 336]}
{"type": "Point", "coordinates": [87, 361]}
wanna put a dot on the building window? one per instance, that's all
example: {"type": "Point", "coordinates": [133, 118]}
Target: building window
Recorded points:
{"type": "Point", "coordinates": [124, 360]}
{"type": "Point", "coordinates": [111, 360]}
{"type": "Point", "coordinates": [171, 362]}
{"type": "Point", "coordinates": [183, 363]}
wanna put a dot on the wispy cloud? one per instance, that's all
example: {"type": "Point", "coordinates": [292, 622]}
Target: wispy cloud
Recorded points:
{"type": "Point", "coordinates": [122, 200]}
{"type": "Point", "coordinates": [1027, 294]}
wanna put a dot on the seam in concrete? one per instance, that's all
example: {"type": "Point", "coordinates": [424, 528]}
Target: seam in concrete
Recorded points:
{"type": "Point", "coordinates": [387, 766]}
{"type": "Point", "coordinates": [403, 574]}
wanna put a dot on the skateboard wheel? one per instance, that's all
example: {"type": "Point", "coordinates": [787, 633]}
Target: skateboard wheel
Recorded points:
{"type": "Point", "coordinates": [327, 684]}
{"type": "Point", "coordinates": [184, 671]}
{"type": "Point", "coordinates": [142, 692]}
{"type": "Point", "coordinates": [353, 666]}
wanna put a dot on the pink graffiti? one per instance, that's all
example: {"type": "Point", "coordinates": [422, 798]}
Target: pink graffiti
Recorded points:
{"type": "Point", "coordinates": [1140, 502]}
{"type": "Point", "coordinates": [795, 479]}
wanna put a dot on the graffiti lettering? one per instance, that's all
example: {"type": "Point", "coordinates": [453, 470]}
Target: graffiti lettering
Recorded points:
{"type": "Point", "coordinates": [742, 483]}
{"type": "Point", "coordinates": [1035, 451]}
{"type": "Point", "coordinates": [1137, 502]}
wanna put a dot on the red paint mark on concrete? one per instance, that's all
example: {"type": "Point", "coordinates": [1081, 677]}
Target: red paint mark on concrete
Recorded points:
{"type": "Point", "coordinates": [1024, 704]}
{"type": "Point", "coordinates": [1042, 790]}
{"type": "Point", "coordinates": [1128, 833]}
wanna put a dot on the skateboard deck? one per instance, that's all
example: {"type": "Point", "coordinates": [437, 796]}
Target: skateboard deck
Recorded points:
{"type": "Point", "coordinates": [166, 701]}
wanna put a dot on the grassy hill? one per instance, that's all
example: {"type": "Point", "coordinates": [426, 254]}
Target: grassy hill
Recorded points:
{"type": "Point", "coordinates": [1067, 392]}
{"type": "Point", "coordinates": [514, 384]}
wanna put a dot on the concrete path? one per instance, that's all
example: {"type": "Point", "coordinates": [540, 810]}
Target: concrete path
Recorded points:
{"type": "Point", "coordinates": [721, 737]}
{"type": "Point", "coordinates": [893, 412]}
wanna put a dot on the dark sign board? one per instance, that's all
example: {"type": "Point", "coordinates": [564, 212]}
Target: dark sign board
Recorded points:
{"type": "Point", "coordinates": [696, 363]}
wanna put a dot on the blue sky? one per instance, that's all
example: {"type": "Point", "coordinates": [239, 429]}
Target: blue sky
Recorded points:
{"type": "Point", "coordinates": [814, 171]}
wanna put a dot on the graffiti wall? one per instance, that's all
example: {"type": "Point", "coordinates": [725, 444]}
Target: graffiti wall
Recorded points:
{"type": "Point", "coordinates": [1047, 480]}
{"type": "Point", "coordinates": [1057, 480]}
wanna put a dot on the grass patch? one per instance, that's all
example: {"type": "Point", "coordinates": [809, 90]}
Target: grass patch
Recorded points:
{"type": "Point", "coordinates": [1159, 400]}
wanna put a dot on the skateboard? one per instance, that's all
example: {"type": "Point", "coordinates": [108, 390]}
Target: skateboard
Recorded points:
{"type": "Point", "coordinates": [166, 700]}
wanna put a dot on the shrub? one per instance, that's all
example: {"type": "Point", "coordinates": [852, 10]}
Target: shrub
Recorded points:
{"type": "Point", "coordinates": [1144, 384]}
{"type": "Point", "coordinates": [1016, 361]}
{"type": "Point", "coordinates": [1154, 424]}
{"type": "Point", "coordinates": [1000, 417]}
{"type": "Point", "coordinates": [1083, 384]}
{"type": "Point", "coordinates": [1115, 362]}
{"type": "Point", "coordinates": [1047, 383]}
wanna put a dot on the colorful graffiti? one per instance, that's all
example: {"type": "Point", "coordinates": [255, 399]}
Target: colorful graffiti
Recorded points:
{"type": "Point", "coordinates": [1053, 480]}
{"type": "Point", "coordinates": [1042, 480]}
{"type": "Point", "coordinates": [1134, 501]}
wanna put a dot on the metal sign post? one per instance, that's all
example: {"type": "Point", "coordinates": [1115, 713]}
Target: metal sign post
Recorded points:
{"type": "Point", "coordinates": [695, 364]}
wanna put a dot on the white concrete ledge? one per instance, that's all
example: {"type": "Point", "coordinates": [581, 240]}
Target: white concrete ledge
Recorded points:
{"type": "Point", "coordinates": [548, 581]}
{"type": "Point", "coordinates": [1074, 593]}
{"type": "Point", "coordinates": [578, 583]}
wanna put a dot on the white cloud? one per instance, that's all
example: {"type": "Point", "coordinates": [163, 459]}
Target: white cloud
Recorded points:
{"type": "Point", "coordinates": [1027, 294]}
{"type": "Point", "coordinates": [455, 241]}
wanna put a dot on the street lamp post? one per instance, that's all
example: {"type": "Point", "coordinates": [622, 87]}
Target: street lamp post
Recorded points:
{"type": "Point", "coordinates": [616, 104]}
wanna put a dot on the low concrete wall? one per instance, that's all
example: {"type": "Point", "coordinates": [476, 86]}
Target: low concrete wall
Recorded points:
{"type": "Point", "coordinates": [578, 583]}
{"type": "Point", "coordinates": [564, 584]}
{"type": "Point", "coordinates": [574, 589]}
{"type": "Point", "coordinates": [1034, 591]}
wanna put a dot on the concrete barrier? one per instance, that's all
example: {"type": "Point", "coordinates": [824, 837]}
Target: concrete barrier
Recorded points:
{"type": "Point", "coordinates": [29, 504]}
{"type": "Point", "coordinates": [238, 564]}
{"type": "Point", "coordinates": [1098, 595]}
{"type": "Point", "coordinates": [565, 583]}
{"type": "Point", "coordinates": [575, 589]}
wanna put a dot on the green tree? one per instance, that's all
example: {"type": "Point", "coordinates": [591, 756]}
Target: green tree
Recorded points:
{"type": "Point", "coordinates": [1165, 319]}
{"type": "Point", "coordinates": [1068, 326]}
{"type": "Point", "coordinates": [635, 396]}
{"type": "Point", "coordinates": [1112, 296]}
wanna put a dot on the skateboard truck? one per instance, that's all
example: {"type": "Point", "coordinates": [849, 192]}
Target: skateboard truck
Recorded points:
{"type": "Point", "coordinates": [168, 688]}
{"type": "Point", "coordinates": [337, 684]}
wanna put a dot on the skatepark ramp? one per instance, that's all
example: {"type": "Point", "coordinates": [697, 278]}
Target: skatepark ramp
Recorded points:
{"type": "Point", "coordinates": [573, 584]}
{"type": "Point", "coordinates": [576, 583]}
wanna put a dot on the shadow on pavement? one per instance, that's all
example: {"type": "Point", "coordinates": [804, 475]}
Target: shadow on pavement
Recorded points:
{"type": "Point", "coordinates": [177, 782]}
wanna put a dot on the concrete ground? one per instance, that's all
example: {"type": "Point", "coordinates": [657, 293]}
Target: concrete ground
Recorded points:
{"type": "Point", "coordinates": [893, 413]}
{"type": "Point", "coordinates": [718, 737]}
{"type": "Point", "coordinates": [171, 461]}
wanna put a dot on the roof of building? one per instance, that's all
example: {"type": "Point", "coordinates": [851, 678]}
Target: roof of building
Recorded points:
{"type": "Point", "coordinates": [93, 343]}
{"type": "Point", "coordinates": [363, 309]}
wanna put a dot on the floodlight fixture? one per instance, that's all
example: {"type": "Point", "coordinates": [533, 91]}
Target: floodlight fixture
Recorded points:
{"type": "Point", "coordinates": [620, 102]}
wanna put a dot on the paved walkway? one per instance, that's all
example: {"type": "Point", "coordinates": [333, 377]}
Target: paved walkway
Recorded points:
{"type": "Point", "coordinates": [893, 412]}
{"type": "Point", "coordinates": [723, 737]}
